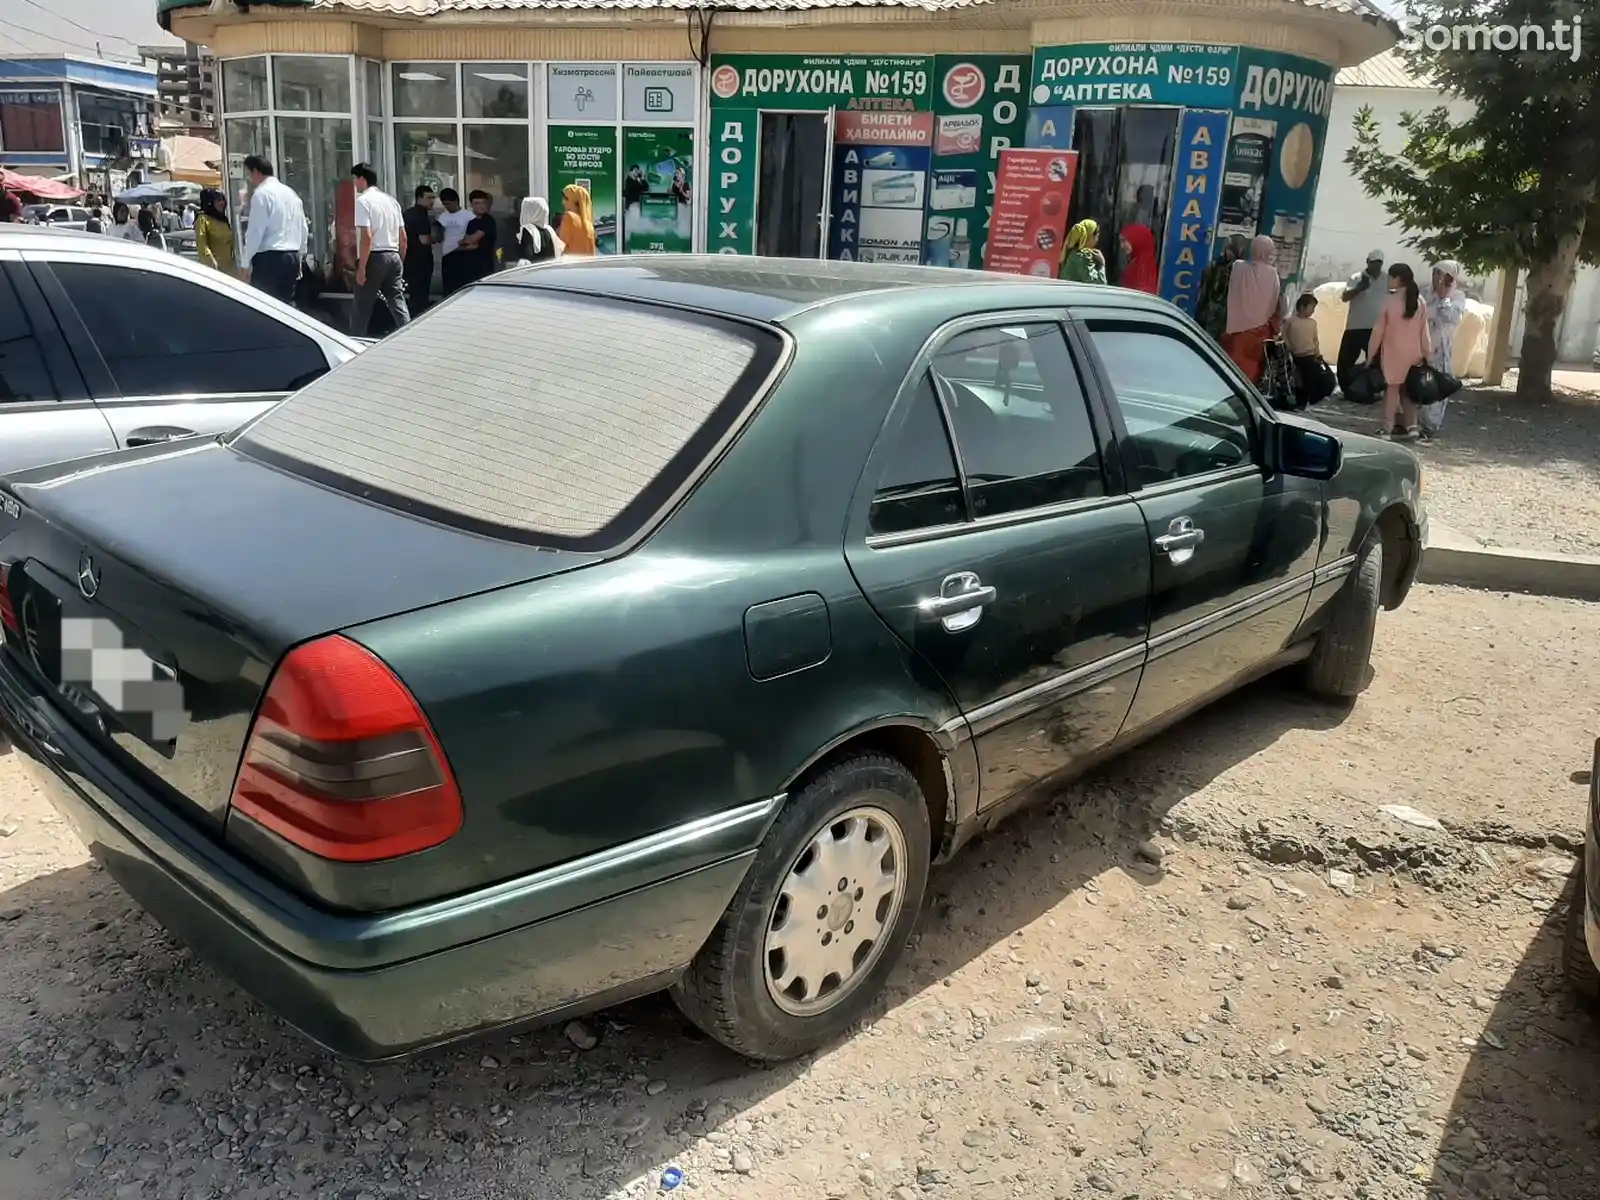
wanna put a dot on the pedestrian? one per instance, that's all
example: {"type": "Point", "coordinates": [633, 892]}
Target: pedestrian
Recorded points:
{"type": "Point", "coordinates": [1253, 303]}
{"type": "Point", "coordinates": [1311, 373]}
{"type": "Point", "coordinates": [577, 221]}
{"type": "Point", "coordinates": [213, 233]}
{"type": "Point", "coordinates": [150, 230]}
{"type": "Point", "coordinates": [10, 208]}
{"type": "Point", "coordinates": [453, 222]}
{"type": "Point", "coordinates": [478, 242]}
{"type": "Point", "coordinates": [96, 222]}
{"type": "Point", "coordinates": [1080, 261]}
{"type": "Point", "coordinates": [380, 251]}
{"type": "Point", "coordinates": [1401, 337]}
{"type": "Point", "coordinates": [275, 235]}
{"type": "Point", "coordinates": [1139, 270]}
{"type": "Point", "coordinates": [1366, 300]}
{"type": "Point", "coordinates": [1445, 310]}
{"type": "Point", "coordinates": [122, 224]}
{"type": "Point", "coordinates": [189, 216]}
{"type": "Point", "coordinates": [169, 219]}
{"type": "Point", "coordinates": [1211, 308]}
{"type": "Point", "coordinates": [418, 260]}
{"type": "Point", "coordinates": [537, 241]}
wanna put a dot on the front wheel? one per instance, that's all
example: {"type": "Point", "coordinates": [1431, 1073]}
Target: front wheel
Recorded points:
{"type": "Point", "coordinates": [1337, 668]}
{"type": "Point", "coordinates": [822, 917]}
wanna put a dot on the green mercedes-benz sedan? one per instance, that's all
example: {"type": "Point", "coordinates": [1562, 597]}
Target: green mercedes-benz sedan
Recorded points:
{"type": "Point", "coordinates": [656, 623]}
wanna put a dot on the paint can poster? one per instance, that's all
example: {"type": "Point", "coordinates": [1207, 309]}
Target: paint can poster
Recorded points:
{"type": "Point", "coordinates": [1033, 190]}
{"type": "Point", "coordinates": [1244, 176]}
{"type": "Point", "coordinates": [1192, 215]}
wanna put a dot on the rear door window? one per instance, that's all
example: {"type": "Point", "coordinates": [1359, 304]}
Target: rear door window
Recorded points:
{"type": "Point", "coordinates": [161, 335]}
{"type": "Point", "coordinates": [28, 352]}
{"type": "Point", "coordinates": [920, 487]}
{"type": "Point", "coordinates": [555, 419]}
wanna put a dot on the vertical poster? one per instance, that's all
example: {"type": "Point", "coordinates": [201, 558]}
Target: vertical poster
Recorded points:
{"type": "Point", "coordinates": [1032, 192]}
{"type": "Point", "coordinates": [880, 181]}
{"type": "Point", "coordinates": [980, 108]}
{"type": "Point", "coordinates": [731, 217]}
{"type": "Point", "coordinates": [1049, 128]}
{"type": "Point", "coordinates": [1244, 176]}
{"type": "Point", "coordinates": [1196, 196]}
{"type": "Point", "coordinates": [587, 155]}
{"type": "Point", "coordinates": [657, 197]}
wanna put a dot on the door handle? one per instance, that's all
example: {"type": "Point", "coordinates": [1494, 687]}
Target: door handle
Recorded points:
{"type": "Point", "coordinates": [152, 435]}
{"type": "Point", "coordinates": [960, 603]}
{"type": "Point", "coordinates": [1180, 540]}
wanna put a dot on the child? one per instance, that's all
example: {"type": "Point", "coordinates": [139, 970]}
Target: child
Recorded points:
{"type": "Point", "coordinates": [1310, 371]}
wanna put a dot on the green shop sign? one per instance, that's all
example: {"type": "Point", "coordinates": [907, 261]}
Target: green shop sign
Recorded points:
{"type": "Point", "coordinates": [731, 223]}
{"type": "Point", "coordinates": [981, 107]}
{"type": "Point", "coordinates": [1194, 76]}
{"type": "Point", "coordinates": [851, 83]}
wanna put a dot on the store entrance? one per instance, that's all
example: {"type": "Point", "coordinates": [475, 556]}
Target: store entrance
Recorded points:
{"type": "Point", "coordinates": [791, 191]}
{"type": "Point", "coordinates": [1125, 167]}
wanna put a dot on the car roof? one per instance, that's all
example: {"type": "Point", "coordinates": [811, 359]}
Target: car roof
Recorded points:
{"type": "Point", "coordinates": [774, 290]}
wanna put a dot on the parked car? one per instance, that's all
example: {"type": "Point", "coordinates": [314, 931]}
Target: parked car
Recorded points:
{"type": "Point", "coordinates": [495, 677]}
{"type": "Point", "coordinates": [58, 216]}
{"type": "Point", "coordinates": [106, 343]}
{"type": "Point", "coordinates": [1581, 953]}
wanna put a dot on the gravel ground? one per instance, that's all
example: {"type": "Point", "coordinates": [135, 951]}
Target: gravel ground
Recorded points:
{"type": "Point", "coordinates": [1510, 474]}
{"type": "Point", "coordinates": [1306, 997]}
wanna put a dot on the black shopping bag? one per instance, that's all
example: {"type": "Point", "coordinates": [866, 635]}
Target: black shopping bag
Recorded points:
{"type": "Point", "coordinates": [1368, 385]}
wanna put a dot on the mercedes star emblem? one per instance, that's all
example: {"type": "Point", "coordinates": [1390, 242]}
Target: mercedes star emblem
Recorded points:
{"type": "Point", "coordinates": [88, 576]}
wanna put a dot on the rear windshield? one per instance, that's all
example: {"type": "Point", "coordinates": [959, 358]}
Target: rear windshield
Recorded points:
{"type": "Point", "coordinates": [561, 420]}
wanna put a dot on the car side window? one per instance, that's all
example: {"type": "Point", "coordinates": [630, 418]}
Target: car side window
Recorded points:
{"type": "Point", "coordinates": [1184, 417]}
{"type": "Point", "coordinates": [919, 488]}
{"type": "Point", "coordinates": [1020, 418]}
{"type": "Point", "coordinates": [165, 336]}
{"type": "Point", "coordinates": [24, 373]}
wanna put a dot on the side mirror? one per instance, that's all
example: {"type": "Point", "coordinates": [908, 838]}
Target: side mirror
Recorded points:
{"type": "Point", "coordinates": [1306, 453]}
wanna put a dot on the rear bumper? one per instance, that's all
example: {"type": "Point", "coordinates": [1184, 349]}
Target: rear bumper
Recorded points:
{"type": "Point", "coordinates": [593, 948]}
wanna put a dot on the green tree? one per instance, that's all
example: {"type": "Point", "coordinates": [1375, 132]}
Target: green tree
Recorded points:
{"type": "Point", "coordinates": [1516, 185]}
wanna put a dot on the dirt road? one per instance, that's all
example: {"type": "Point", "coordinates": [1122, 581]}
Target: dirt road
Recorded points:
{"type": "Point", "coordinates": [1073, 1020]}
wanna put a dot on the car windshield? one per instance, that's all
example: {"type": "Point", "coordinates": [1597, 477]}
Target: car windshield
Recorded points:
{"type": "Point", "coordinates": [551, 418]}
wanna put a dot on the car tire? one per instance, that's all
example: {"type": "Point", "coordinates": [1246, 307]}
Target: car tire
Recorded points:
{"type": "Point", "coordinates": [734, 989]}
{"type": "Point", "coordinates": [1582, 975]}
{"type": "Point", "coordinates": [1337, 668]}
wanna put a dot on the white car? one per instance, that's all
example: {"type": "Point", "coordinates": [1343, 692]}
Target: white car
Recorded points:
{"type": "Point", "coordinates": [61, 216]}
{"type": "Point", "coordinates": [106, 343]}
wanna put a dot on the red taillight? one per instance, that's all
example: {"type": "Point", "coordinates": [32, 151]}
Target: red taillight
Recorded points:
{"type": "Point", "coordinates": [341, 761]}
{"type": "Point", "coordinates": [8, 610]}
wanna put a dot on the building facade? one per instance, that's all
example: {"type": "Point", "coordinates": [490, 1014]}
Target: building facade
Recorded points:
{"type": "Point", "coordinates": [186, 86]}
{"type": "Point", "coordinates": [799, 127]}
{"type": "Point", "coordinates": [81, 119]}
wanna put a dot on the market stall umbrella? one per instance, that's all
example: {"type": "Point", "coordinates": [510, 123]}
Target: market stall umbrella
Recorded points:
{"type": "Point", "coordinates": [35, 185]}
{"type": "Point", "coordinates": [193, 160]}
{"type": "Point", "coordinates": [152, 193]}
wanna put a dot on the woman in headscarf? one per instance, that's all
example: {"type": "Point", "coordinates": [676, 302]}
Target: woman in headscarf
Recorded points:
{"type": "Point", "coordinates": [1139, 270]}
{"type": "Point", "coordinates": [1080, 261]}
{"type": "Point", "coordinates": [538, 242]}
{"type": "Point", "coordinates": [213, 234]}
{"type": "Point", "coordinates": [577, 222]}
{"type": "Point", "coordinates": [1445, 310]}
{"type": "Point", "coordinates": [150, 229]}
{"type": "Point", "coordinates": [1402, 335]}
{"type": "Point", "coordinates": [1211, 309]}
{"type": "Point", "coordinates": [1254, 300]}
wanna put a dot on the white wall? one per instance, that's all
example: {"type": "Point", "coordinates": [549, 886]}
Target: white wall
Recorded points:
{"type": "Point", "coordinates": [1345, 221]}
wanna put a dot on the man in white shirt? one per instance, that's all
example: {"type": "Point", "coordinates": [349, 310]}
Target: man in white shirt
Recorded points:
{"type": "Point", "coordinates": [380, 248]}
{"type": "Point", "coordinates": [454, 263]}
{"type": "Point", "coordinates": [275, 236]}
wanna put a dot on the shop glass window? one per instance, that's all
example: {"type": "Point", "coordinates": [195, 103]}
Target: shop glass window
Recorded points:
{"type": "Point", "coordinates": [424, 89]}
{"type": "Point", "coordinates": [31, 121]}
{"type": "Point", "coordinates": [1125, 165]}
{"type": "Point", "coordinates": [243, 136]}
{"type": "Point", "coordinates": [1020, 418]}
{"type": "Point", "coordinates": [244, 85]}
{"type": "Point", "coordinates": [494, 90]}
{"type": "Point", "coordinates": [425, 154]}
{"type": "Point", "coordinates": [497, 162]}
{"type": "Point", "coordinates": [205, 343]}
{"type": "Point", "coordinates": [306, 83]}
{"type": "Point", "coordinates": [374, 78]}
{"type": "Point", "coordinates": [314, 159]}
{"type": "Point", "coordinates": [1184, 417]}
{"type": "Point", "coordinates": [919, 488]}
{"type": "Point", "coordinates": [107, 122]}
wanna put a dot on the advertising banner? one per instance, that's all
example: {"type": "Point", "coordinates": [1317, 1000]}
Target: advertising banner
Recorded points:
{"type": "Point", "coordinates": [1244, 176]}
{"type": "Point", "coordinates": [1136, 73]}
{"type": "Point", "coordinates": [1192, 215]}
{"type": "Point", "coordinates": [981, 108]}
{"type": "Point", "coordinates": [657, 200]}
{"type": "Point", "coordinates": [1032, 193]}
{"type": "Point", "coordinates": [813, 82]}
{"type": "Point", "coordinates": [731, 218]}
{"type": "Point", "coordinates": [587, 155]}
{"type": "Point", "coordinates": [878, 197]}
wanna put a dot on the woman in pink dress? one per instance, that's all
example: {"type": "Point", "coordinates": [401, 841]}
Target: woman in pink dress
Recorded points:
{"type": "Point", "coordinates": [1399, 342]}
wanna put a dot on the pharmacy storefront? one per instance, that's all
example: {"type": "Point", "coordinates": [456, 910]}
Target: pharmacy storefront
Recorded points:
{"type": "Point", "coordinates": [827, 130]}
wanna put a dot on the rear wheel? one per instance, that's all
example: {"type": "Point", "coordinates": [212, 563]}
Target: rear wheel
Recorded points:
{"type": "Point", "coordinates": [1337, 668]}
{"type": "Point", "coordinates": [1582, 976]}
{"type": "Point", "coordinates": [822, 917]}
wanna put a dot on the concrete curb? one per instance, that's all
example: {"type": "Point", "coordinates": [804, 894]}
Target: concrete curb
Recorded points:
{"type": "Point", "coordinates": [1453, 558]}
